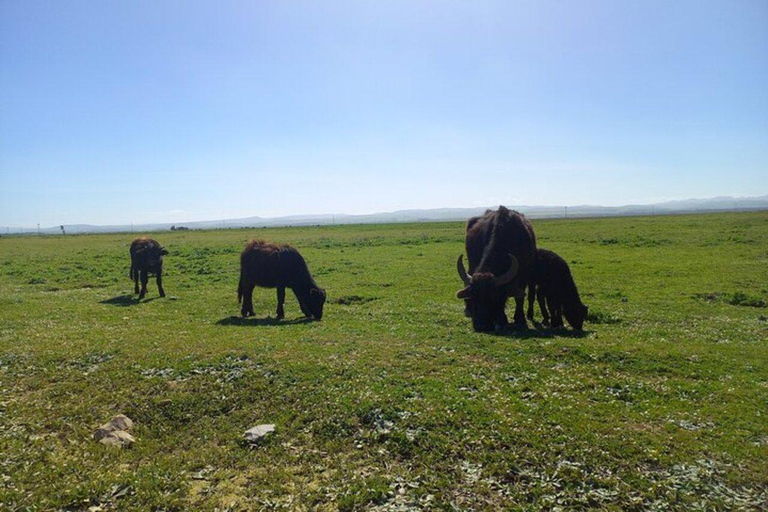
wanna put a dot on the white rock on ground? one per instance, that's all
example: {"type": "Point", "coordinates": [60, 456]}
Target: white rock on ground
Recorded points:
{"type": "Point", "coordinates": [116, 429]}
{"type": "Point", "coordinates": [258, 432]}
{"type": "Point", "coordinates": [118, 438]}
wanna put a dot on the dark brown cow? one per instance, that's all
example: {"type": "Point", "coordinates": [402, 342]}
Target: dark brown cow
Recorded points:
{"type": "Point", "coordinates": [146, 258]}
{"type": "Point", "coordinates": [552, 282]}
{"type": "Point", "coordinates": [278, 266]}
{"type": "Point", "coordinates": [501, 248]}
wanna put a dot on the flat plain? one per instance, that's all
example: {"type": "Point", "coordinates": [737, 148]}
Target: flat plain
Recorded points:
{"type": "Point", "coordinates": [391, 402]}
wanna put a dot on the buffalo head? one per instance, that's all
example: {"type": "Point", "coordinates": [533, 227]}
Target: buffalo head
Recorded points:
{"type": "Point", "coordinates": [152, 257]}
{"type": "Point", "coordinates": [486, 295]}
{"type": "Point", "coordinates": [576, 315]}
{"type": "Point", "coordinates": [316, 302]}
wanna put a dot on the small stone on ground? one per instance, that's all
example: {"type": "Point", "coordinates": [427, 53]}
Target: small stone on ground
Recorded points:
{"type": "Point", "coordinates": [258, 432]}
{"type": "Point", "coordinates": [114, 431]}
{"type": "Point", "coordinates": [118, 438]}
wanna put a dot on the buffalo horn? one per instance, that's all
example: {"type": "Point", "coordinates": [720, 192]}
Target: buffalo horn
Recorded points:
{"type": "Point", "coordinates": [510, 274]}
{"type": "Point", "coordinates": [462, 271]}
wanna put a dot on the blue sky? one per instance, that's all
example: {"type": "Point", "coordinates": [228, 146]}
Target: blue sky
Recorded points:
{"type": "Point", "coordinates": [118, 112]}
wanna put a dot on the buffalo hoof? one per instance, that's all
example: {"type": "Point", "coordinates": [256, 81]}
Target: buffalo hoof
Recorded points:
{"type": "Point", "coordinates": [162, 294]}
{"type": "Point", "coordinates": [520, 326]}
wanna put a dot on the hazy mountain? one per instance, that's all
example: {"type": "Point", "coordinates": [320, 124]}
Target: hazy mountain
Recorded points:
{"type": "Point", "coordinates": [714, 204]}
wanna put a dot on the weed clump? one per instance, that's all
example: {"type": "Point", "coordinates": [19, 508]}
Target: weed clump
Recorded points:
{"type": "Point", "coordinates": [734, 299]}
{"type": "Point", "coordinates": [349, 300]}
{"type": "Point", "coordinates": [600, 317]}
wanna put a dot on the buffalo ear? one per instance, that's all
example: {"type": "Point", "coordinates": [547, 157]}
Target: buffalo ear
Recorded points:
{"type": "Point", "coordinates": [314, 291]}
{"type": "Point", "coordinates": [164, 252]}
{"type": "Point", "coordinates": [464, 293]}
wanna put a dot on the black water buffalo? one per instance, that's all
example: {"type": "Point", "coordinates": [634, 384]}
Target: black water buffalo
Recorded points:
{"type": "Point", "coordinates": [501, 248]}
{"type": "Point", "coordinates": [146, 258]}
{"type": "Point", "coordinates": [278, 266]}
{"type": "Point", "coordinates": [553, 286]}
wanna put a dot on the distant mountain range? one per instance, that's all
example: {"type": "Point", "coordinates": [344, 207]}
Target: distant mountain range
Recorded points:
{"type": "Point", "coordinates": [714, 204]}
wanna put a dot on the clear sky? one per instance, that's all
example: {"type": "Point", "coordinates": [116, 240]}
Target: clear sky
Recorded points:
{"type": "Point", "coordinates": [142, 111]}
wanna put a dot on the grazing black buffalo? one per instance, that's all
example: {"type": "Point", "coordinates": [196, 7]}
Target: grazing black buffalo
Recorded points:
{"type": "Point", "coordinates": [146, 258]}
{"type": "Point", "coordinates": [278, 266]}
{"type": "Point", "coordinates": [501, 248]}
{"type": "Point", "coordinates": [552, 282]}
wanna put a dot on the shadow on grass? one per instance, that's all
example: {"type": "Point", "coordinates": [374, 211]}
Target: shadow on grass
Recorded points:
{"type": "Point", "coordinates": [253, 321]}
{"type": "Point", "coordinates": [125, 300]}
{"type": "Point", "coordinates": [541, 331]}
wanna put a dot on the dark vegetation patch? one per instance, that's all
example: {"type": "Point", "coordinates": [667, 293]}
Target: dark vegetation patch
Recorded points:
{"type": "Point", "coordinates": [729, 240]}
{"type": "Point", "coordinates": [734, 299]}
{"type": "Point", "coordinates": [603, 317]}
{"type": "Point", "coordinates": [348, 300]}
{"type": "Point", "coordinates": [378, 241]}
{"type": "Point", "coordinates": [630, 241]}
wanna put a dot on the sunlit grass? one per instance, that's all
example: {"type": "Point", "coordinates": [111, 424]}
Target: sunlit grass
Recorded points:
{"type": "Point", "coordinates": [391, 401]}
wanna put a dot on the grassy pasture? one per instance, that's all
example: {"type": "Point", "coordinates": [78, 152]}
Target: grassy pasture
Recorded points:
{"type": "Point", "coordinates": [391, 402]}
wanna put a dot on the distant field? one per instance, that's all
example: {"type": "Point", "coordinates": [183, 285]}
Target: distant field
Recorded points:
{"type": "Point", "coordinates": [391, 402]}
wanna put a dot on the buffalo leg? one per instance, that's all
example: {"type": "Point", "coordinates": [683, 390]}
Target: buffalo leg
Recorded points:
{"type": "Point", "coordinates": [531, 298]}
{"type": "Point", "coordinates": [520, 323]}
{"type": "Point", "coordinates": [280, 302]}
{"type": "Point", "coordinates": [501, 321]}
{"type": "Point", "coordinates": [160, 282]}
{"type": "Point", "coordinates": [543, 306]}
{"type": "Point", "coordinates": [135, 277]}
{"type": "Point", "coordinates": [247, 308]}
{"type": "Point", "coordinates": [144, 281]}
{"type": "Point", "coordinates": [556, 310]}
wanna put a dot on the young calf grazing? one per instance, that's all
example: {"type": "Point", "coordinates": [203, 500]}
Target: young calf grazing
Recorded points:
{"type": "Point", "coordinates": [146, 258]}
{"type": "Point", "coordinates": [555, 284]}
{"type": "Point", "coordinates": [278, 266]}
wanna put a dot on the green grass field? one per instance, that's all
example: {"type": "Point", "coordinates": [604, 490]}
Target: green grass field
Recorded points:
{"type": "Point", "coordinates": [391, 402]}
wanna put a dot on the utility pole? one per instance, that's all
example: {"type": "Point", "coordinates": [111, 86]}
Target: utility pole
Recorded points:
{"type": "Point", "coordinates": [566, 212]}
{"type": "Point", "coordinates": [38, 229]}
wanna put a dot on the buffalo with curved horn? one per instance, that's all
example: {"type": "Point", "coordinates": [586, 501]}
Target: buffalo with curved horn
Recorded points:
{"type": "Point", "coordinates": [501, 249]}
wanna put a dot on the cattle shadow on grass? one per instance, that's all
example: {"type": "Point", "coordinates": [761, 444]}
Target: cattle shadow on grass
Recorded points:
{"type": "Point", "coordinates": [125, 300]}
{"type": "Point", "coordinates": [254, 321]}
{"type": "Point", "coordinates": [542, 332]}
